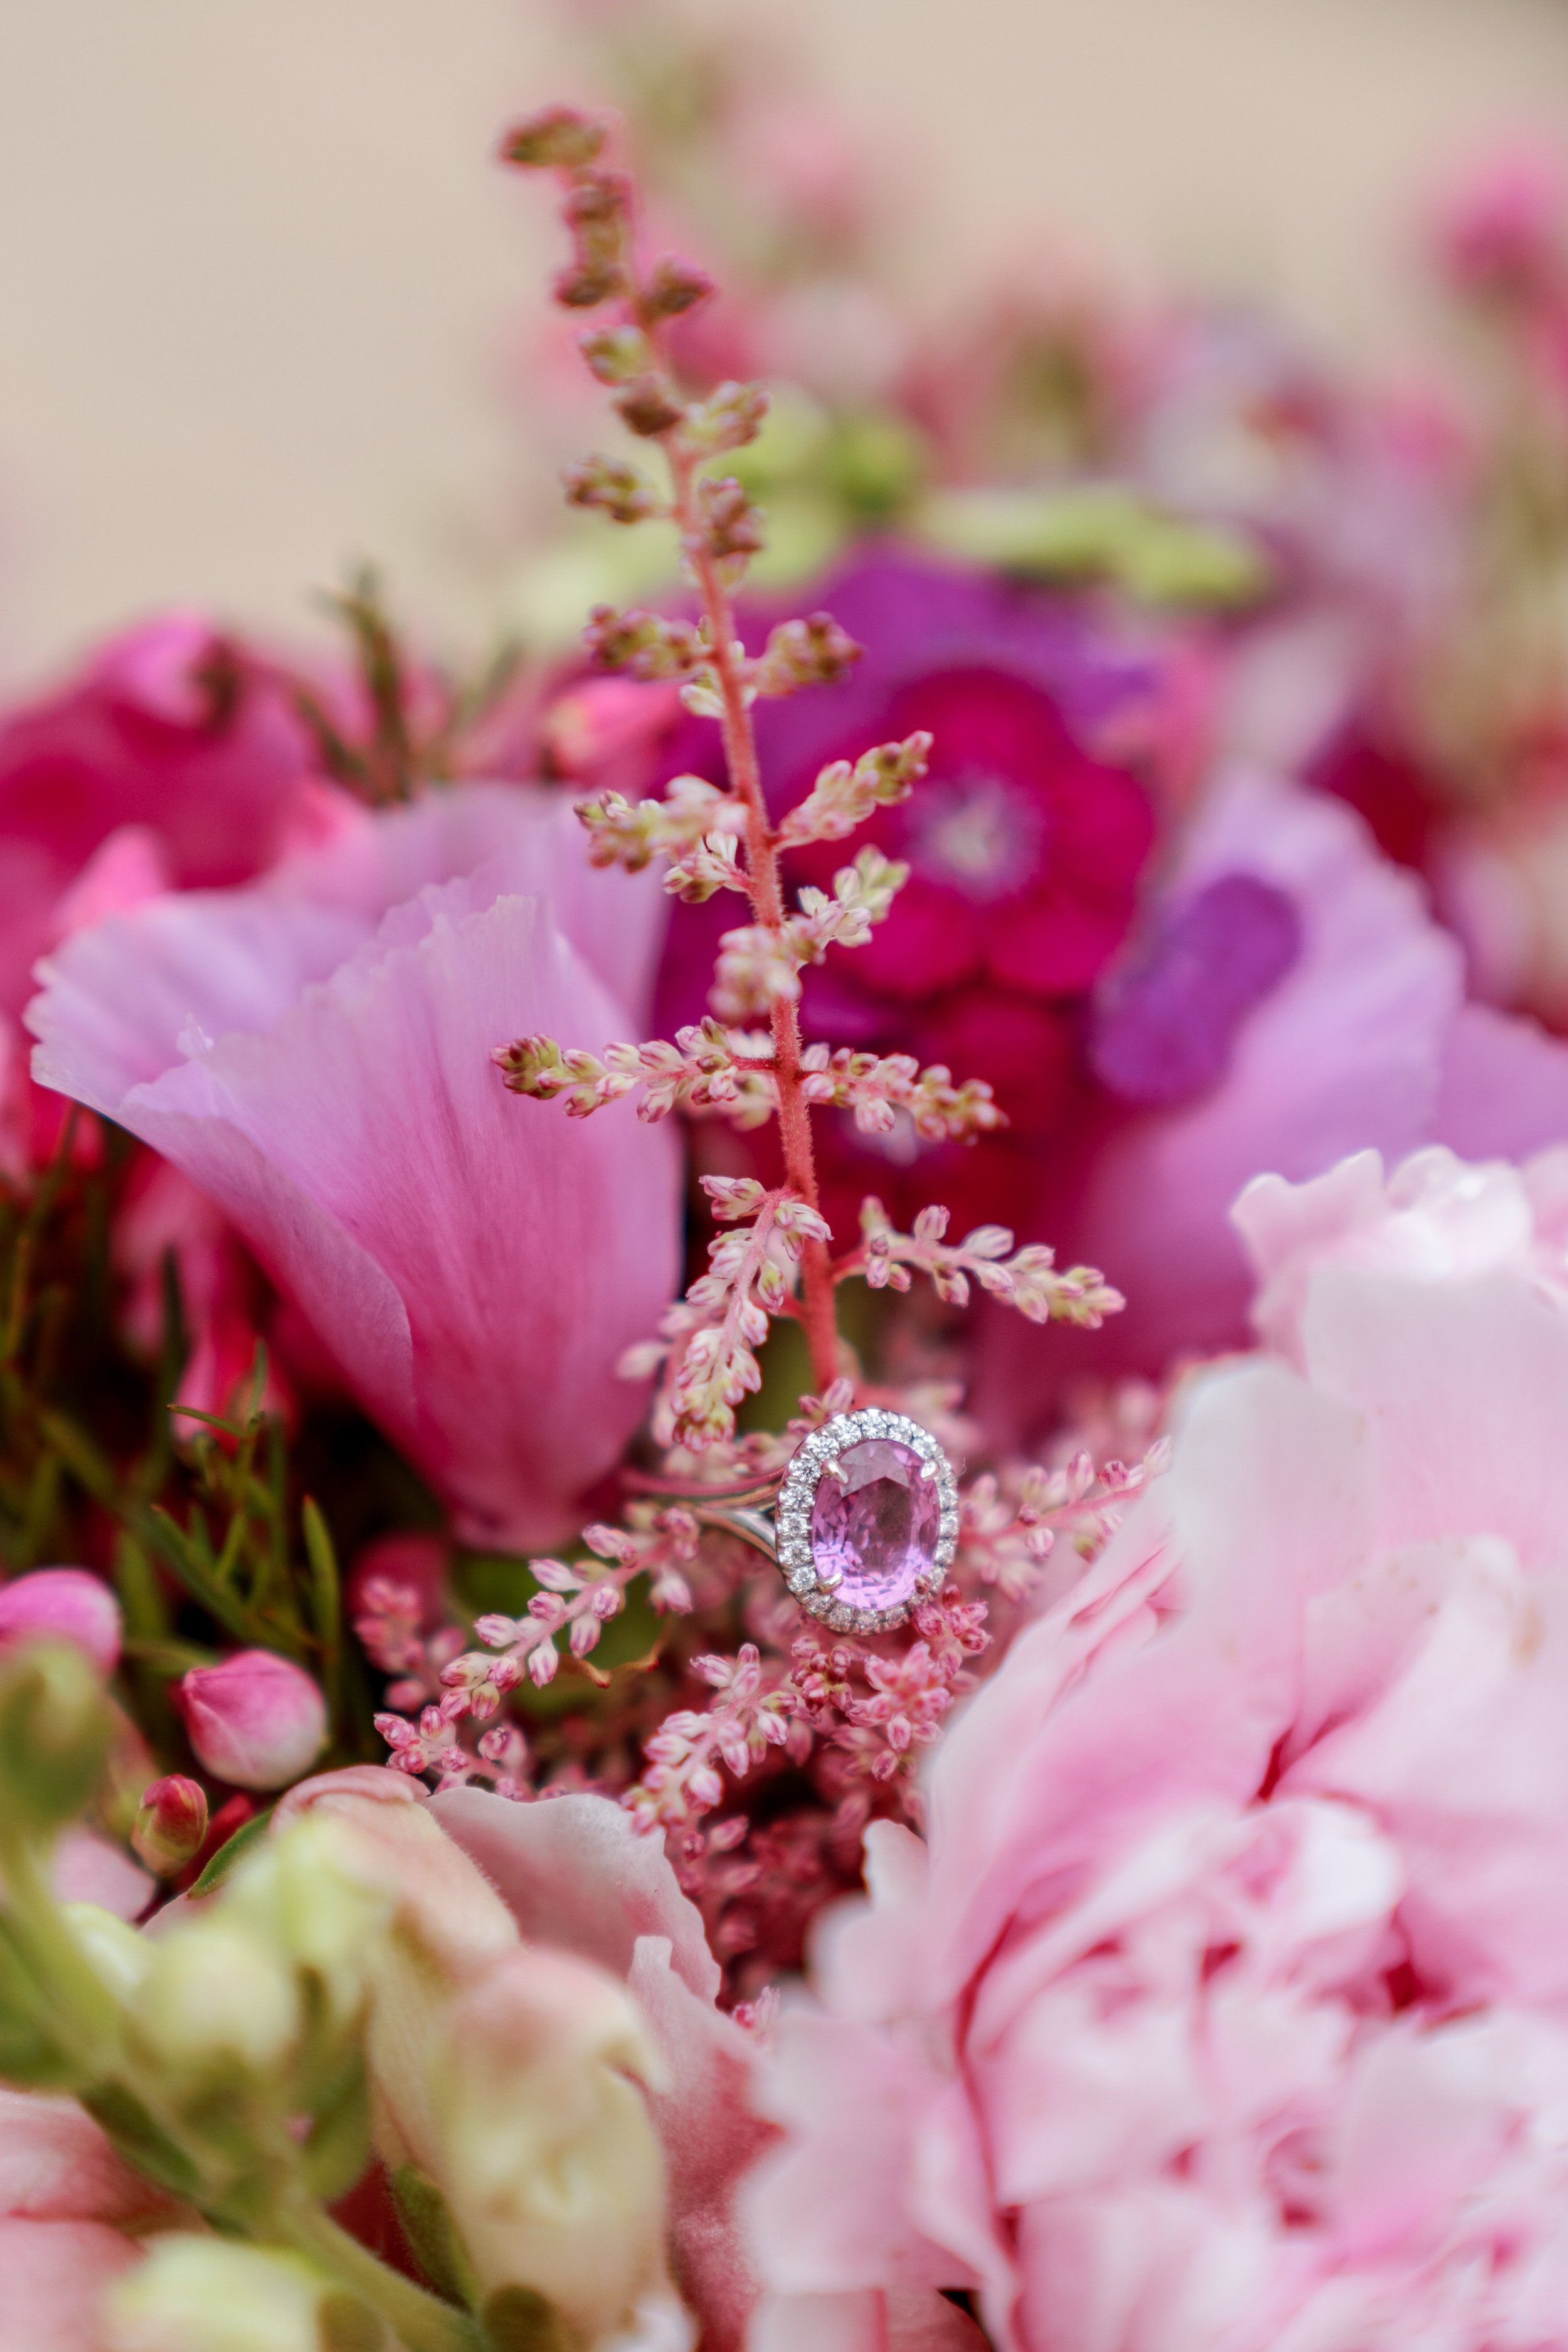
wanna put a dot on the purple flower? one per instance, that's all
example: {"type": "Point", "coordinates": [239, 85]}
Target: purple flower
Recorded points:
{"type": "Point", "coordinates": [1288, 1001]}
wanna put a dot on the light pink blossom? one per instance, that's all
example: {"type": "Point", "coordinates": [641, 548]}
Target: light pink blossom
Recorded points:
{"type": "Point", "coordinates": [313, 1051]}
{"type": "Point", "coordinates": [69, 1601]}
{"type": "Point", "coordinates": [1229, 2007]}
{"type": "Point", "coordinates": [254, 1720]}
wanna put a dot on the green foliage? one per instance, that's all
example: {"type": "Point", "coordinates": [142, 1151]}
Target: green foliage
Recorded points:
{"type": "Point", "coordinates": [432, 2236]}
{"type": "Point", "coordinates": [215, 1544]}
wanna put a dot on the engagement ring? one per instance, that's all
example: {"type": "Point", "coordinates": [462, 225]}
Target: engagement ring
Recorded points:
{"type": "Point", "coordinates": [864, 1521]}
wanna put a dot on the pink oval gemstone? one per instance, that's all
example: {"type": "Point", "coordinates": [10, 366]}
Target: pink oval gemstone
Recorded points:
{"type": "Point", "coordinates": [875, 1522]}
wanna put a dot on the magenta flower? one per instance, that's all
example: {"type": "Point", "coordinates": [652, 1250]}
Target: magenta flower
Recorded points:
{"type": "Point", "coordinates": [1286, 1001]}
{"type": "Point", "coordinates": [172, 759]}
{"type": "Point", "coordinates": [68, 1601]}
{"type": "Point", "coordinates": [254, 1720]}
{"type": "Point", "coordinates": [1025, 850]}
{"type": "Point", "coordinates": [313, 1051]}
{"type": "Point", "coordinates": [1229, 2004]}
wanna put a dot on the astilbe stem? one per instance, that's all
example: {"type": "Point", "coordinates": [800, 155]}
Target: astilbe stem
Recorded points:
{"type": "Point", "coordinates": [819, 1314]}
{"type": "Point", "coordinates": [852, 1717]}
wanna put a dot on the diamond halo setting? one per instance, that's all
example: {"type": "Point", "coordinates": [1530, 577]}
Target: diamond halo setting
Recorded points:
{"type": "Point", "coordinates": [866, 1520]}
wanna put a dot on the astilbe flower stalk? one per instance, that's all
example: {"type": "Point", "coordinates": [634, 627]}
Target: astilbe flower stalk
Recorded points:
{"type": "Point", "coordinates": [851, 1714]}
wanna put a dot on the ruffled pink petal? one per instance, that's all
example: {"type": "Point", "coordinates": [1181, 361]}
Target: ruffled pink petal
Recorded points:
{"type": "Point", "coordinates": [53, 2277]}
{"type": "Point", "coordinates": [1465, 1387]}
{"type": "Point", "coordinates": [1108, 1711]}
{"type": "Point", "coordinates": [477, 1264]}
{"type": "Point", "coordinates": [574, 1872]}
{"type": "Point", "coordinates": [829, 2211]}
{"type": "Point", "coordinates": [368, 864]}
{"type": "Point", "coordinates": [1464, 1760]}
{"type": "Point", "coordinates": [900, 2319]}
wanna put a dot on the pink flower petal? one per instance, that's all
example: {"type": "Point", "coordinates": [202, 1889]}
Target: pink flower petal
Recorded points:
{"type": "Point", "coordinates": [476, 1264]}
{"type": "Point", "coordinates": [574, 1872]}
{"type": "Point", "coordinates": [55, 2274]}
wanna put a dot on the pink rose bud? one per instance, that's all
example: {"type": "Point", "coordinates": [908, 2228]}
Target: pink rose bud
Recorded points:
{"type": "Point", "coordinates": [63, 1601]}
{"type": "Point", "coordinates": [168, 1830]}
{"type": "Point", "coordinates": [255, 1720]}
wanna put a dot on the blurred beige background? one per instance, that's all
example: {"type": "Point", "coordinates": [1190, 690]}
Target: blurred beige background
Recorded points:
{"type": "Point", "coordinates": [260, 279]}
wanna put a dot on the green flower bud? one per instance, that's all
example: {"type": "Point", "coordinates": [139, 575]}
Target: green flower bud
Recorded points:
{"type": "Point", "coordinates": [208, 2294]}
{"type": "Point", "coordinates": [54, 1725]}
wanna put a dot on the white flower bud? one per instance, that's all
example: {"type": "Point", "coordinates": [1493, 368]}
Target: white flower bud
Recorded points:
{"type": "Point", "coordinates": [322, 1900]}
{"type": "Point", "coordinates": [208, 2294]}
{"type": "Point", "coordinates": [546, 2153]}
{"type": "Point", "coordinates": [218, 1993]}
{"type": "Point", "coordinates": [116, 1952]}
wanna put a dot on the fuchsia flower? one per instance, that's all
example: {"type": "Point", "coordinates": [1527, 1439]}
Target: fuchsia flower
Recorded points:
{"type": "Point", "coordinates": [254, 1720]}
{"type": "Point", "coordinates": [171, 1823]}
{"type": "Point", "coordinates": [172, 759]}
{"type": "Point", "coordinates": [1499, 232]}
{"type": "Point", "coordinates": [1025, 850]}
{"type": "Point", "coordinates": [1229, 2005]}
{"type": "Point", "coordinates": [313, 1053]}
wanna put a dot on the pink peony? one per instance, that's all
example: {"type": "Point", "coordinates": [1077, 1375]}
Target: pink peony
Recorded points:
{"type": "Point", "coordinates": [1288, 1001]}
{"type": "Point", "coordinates": [71, 1601]}
{"type": "Point", "coordinates": [172, 759]}
{"type": "Point", "coordinates": [1229, 2005]}
{"type": "Point", "coordinates": [254, 1720]}
{"type": "Point", "coordinates": [313, 1051]}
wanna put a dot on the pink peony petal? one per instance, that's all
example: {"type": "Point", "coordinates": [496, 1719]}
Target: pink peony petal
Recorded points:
{"type": "Point", "coordinates": [55, 2274]}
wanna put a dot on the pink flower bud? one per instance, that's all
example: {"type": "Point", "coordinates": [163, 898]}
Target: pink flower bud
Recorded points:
{"type": "Point", "coordinates": [66, 1600]}
{"type": "Point", "coordinates": [254, 1720]}
{"type": "Point", "coordinates": [168, 1830]}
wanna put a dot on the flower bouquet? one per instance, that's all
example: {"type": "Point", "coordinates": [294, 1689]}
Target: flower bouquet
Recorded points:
{"type": "Point", "coordinates": [781, 1398]}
